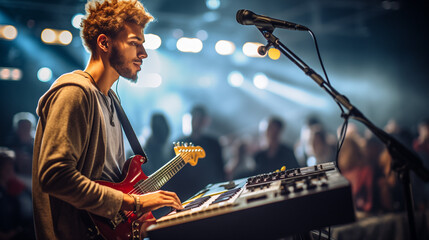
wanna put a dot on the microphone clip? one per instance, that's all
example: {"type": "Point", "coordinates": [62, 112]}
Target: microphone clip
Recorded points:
{"type": "Point", "coordinates": [262, 50]}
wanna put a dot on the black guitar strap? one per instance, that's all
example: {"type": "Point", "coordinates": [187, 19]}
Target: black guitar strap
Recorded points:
{"type": "Point", "coordinates": [93, 232]}
{"type": "Point", "coordinates": [128, 129]}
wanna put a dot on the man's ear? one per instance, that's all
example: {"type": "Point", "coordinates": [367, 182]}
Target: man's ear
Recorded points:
{"type": "Point", "coordinates": [103, 42]}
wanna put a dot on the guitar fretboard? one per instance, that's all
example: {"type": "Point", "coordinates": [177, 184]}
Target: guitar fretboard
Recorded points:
{"type": "Point", "coordinates": [156, 180]}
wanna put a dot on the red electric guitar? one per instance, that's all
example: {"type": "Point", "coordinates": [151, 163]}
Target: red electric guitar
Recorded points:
{"type": "Point", "coordinates": [131, 225]}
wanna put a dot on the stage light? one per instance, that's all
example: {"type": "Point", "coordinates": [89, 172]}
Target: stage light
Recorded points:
{"type": "Point", "coordinates": [274, 53]}
{"type": "Point", "coordinates": [65, 37]}
{"type": "Point", "coordinates": [206, 81]}
{"type": "Point", "coordinates": [44, 74]}
{"type": "Point", "coordinates": [202, 35]}
{"type": "Point", "coordinates": [311, 161]}
{"type": "Point", "coordinates": [250, 49]}
{"type": "Point", "coordinates": [213, 4]}
{"type": "Point", "coordinates": [8, 32]}
{"type": "Point", "coordinates": [53, 36]}
{"type": "Point", "coordinates": [211, 16]}
{"type": "Point", "coordinates": [260, 80]}
{"type": "Point", "coordinates": [150, 80]}
{"type": "Point", "coordinates": [16, 74]}
{"type": "Point", "coordinates": [76, 20]}
{"type": "Point", "coordinates": [152, 41]}
{"type": "Point", "coordinates": [296, 94]}
{"type": "Point", "coordinates": [7, 73]}
{"type": "Point", "coordinates": [4, 73]}
{"type": "Point", "coordinates": [224, 47]}
{"type": "Point", "coordinates": [239, 58]}
{"type": "Point", "coordinates": [187, 124]}
{"type": "Point", "coordinates": [235, 79]}
{"type": "Point", "coordinates": [193, 45]}
{"type": "Point", "coordinates": [48, 35]}
{"type": "Point", "coordinates": [177, 33]}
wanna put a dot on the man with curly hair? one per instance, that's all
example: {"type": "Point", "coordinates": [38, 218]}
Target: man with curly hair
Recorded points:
{"type": "Point", "coordinates": [79, 137]}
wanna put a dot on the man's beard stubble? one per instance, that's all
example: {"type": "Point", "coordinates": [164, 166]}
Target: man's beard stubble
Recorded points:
{"type": "Point", "coordinates": [118, 62]}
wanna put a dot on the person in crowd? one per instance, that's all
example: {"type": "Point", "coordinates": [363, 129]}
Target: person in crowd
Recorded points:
{"type": "Point", "coordinates": [390, 187]}
{"type": "Point", "coordinates": [21, 142]}
{"type": "Point", "coordinates": [79, 136]}
{"type": "Point", "coordinates": [321, 149]}
{"type": "Point", "coordinates": [315, 145]}
{"type": "Point", "coordinates": [355, 167]}
{"type": "Point", "coordinates": [275, 154]}
{"type": "Point", "coordinates": [421, 143]}
{"type": "Point", "coordinates": [372, 151]}
{"type": "Point", "coordinates": [241, 163]}
{"type": "Point", "coordinates": [421, 146]}
{"type": "Point", "coordinates": [210, 169]}
{"type": "Point", "coordinates": [156, 145]}
{"type": "Point", "coordinates": [16, 215]}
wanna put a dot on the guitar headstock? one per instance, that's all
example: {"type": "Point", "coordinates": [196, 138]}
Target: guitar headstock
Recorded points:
{"type": "Point", "coordinates": [189, 153]}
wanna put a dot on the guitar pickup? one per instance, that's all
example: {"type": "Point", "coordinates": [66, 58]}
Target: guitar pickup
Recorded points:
{"type": "Point", "coordinates": [119, 218]}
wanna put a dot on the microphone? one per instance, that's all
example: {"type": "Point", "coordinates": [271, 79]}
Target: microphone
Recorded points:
{"type": "Point", "coordinates": [246, 17]}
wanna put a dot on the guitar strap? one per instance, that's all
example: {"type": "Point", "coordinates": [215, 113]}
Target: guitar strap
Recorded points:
{"type": "Point", "coordinates": [93, 232]}
{"type": "Point", "coordinates": [128, 129]}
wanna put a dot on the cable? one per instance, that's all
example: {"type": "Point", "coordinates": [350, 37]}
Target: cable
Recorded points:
{"type": "Point", "coordinates": [342, 137]}
{"type": "Point", "coordinates": [116, 90]}
{"type": "Point", "coordinates": [323, 66]}
{"type": "Point", "coordinates": [318, 54]}
{"type": "Point", "coordinates": [343, 114]}
{"type": "Point", "coordinates": [329, 232]}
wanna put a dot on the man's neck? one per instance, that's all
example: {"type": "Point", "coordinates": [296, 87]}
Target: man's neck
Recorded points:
{"type": "Point", "coordinates": [103, 74]}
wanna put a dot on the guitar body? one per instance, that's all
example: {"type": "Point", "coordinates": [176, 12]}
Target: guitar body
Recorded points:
{"type": "Point", "coordinates": [128, 225]}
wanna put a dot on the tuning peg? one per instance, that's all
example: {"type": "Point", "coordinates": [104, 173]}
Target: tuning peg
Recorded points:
{"type": "Point", "coordinates": [191, 144]}
{"type": "Point", "coordinates": [185, 144]}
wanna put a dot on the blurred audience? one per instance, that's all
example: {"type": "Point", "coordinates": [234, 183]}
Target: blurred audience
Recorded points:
{"type": "Point", "coordinates": [16, 215]}
{"type": "Point", "coordinates": [156, 147]}
{"type": "Point", "coordinates": [356, 168]}
{"type": "Point", "coordinates": [367, 164]}
{"type": "Point", "coordinates": [421, 143]}
{"type": "Point", "coordinates": [315, 145]}
{"type": "Point", "coordinates": [372, 149]}
{"type": "Point", "coordinates": [274, 154]}
{"type": "Point", "coordinates": [210, 169]}
{"type": "Point", "coordinates": [421, 146]}
{"type": "Point", "coordinates": [21, 142]}
{"type": "Point", "coordinates": [241, 163]}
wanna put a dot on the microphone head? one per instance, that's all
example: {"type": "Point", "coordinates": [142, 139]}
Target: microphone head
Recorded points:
{"type": "Point", "coordinates": [262, 50]}
{"type": "Point", "coordinates": [244, 17]}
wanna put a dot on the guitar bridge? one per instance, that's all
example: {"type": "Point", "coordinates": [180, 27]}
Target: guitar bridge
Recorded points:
{"type": "Point", "coordinates": [120, 217]}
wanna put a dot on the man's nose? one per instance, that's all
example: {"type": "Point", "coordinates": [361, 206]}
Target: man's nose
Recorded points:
{"type": "Point", "coordinates": [142, 54]}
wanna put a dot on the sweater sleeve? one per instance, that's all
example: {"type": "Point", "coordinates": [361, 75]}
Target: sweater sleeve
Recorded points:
{"type": "Point", "coordinates": [68, 117]}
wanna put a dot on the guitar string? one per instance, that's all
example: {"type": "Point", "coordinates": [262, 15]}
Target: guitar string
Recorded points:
{"type": "Point", "coordinates": [148, 183]}
{"type": "Point", "coordinates": [160, 178]}
{"type": "Point", "coordinates": [176, 166]}
{"type": "Point", "coordinates": [178, 159]}
{"type": "Point", "coordinates": [173, 162]}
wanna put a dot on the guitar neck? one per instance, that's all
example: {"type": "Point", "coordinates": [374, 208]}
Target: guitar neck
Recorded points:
{"type": "Point", "coordinates": [156, 180]}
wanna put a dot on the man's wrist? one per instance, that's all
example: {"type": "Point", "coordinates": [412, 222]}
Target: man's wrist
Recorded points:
{"type": "Point", "coordinates": [137, 204]}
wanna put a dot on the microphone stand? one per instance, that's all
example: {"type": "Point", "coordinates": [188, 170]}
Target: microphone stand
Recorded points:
{"type": "Point", "coordinates": [403, 159]}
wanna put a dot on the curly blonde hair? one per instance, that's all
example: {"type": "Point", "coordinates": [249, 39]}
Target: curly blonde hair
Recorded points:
{"type": "Point", "coordinates": [109, 17]}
